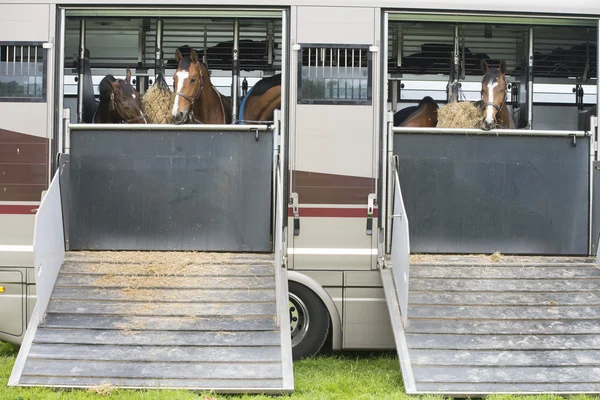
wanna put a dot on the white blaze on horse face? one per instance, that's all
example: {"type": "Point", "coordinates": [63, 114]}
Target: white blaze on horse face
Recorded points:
{"type": "Point", "coordinates": [181, 77]}
{"type": "Point", "coordinates": [489, 116]}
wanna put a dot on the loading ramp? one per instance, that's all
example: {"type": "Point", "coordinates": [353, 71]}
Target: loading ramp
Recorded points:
{"type": "Point", "coordinates": [202, 313]}
{"type": "Point", "coordinates": [470, 325]}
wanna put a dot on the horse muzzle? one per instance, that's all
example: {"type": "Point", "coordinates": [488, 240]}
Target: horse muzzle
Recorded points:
{"type": "Point", "coordinates": [180, 117]}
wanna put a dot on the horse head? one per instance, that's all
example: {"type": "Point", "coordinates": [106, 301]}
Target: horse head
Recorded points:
{"type": "Point", "coordinates": [120, 102]}
{"type": "Point", "coordinates": [493, 93]}
{"type": "Point", "coordinates": [188, 81]}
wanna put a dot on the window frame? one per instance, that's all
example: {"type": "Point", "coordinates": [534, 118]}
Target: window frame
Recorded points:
{"type": "Point", "coordinates": [365, 102]}
{"type": "Point", "coordinates": [44, 96]}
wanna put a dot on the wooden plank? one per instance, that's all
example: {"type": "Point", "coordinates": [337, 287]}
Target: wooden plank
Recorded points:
{"type": "Point", "coordinates": [167, 370]}
{"type": "Point", "coordinates": [506, 342]}
{"type": "Point", "coordinates": [162, 383]}
{"type": "Point", "coordinates": [155, 353]}
{"type": "Point", "coordinates": [237, 268]}
{"type": "Point", "coordinates": [150, 338]}
{"type": "Point", "coordinates": [504, 312]}
{"type": "Point", "coordinates": [209, 282]}
{"type": "Point", "coordinates": [161, 309]}
{"type": "Point", "coordinates": [483, 388]}
{"type": "Point", "coordinates": [505, 327]}
{"type": "Point", "coordinates": [507, 374]}
{"type": "Point", "coordinates": [136, 323]}
{"type": "Point", "coordinates": [501, 285]}
{"type": "Point", "coordinates": [511, 298]}
{"type": "Point", "coordinates": [171, 295]}
{"type": "Point", "coordinates": [486, 259]}
{"type": "Point", "coordinates": [506, 272]}
{"type": "Point", "coordinates": [503, 358]}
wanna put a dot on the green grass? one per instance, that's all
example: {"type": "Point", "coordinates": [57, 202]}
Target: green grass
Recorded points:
{"type": "Point", "coordinates": [342, 376]}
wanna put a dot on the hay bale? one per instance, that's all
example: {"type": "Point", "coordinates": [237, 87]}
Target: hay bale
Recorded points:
{"type": "Point", "coordinates": [463, 114]}
{"type": "Point", "coordinates": [158, 102]}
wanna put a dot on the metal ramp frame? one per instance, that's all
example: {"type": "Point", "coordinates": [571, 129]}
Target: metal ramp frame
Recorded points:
{"type": "Point", "coordinates": [472, 325]}
{"type": "Point", "coordinates": [186, 319]}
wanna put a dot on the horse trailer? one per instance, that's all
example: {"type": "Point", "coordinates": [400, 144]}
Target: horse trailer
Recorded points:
{"type": "Point", "coordinates": [209, 255]}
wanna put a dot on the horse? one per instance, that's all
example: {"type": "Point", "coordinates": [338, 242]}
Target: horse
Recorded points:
{"type": "Point", "coordinates": [196, 99]}
{"type": "Point", "coordinates": [592, 111]}
{"type": "Point", "coordinates": [423, 115]}
{"type": "Point", "coordinates": [493, 97]}
{"type": "Point", "coordinates": [261, 100]}
{"type": "Point", "coordinates": [119, 102]}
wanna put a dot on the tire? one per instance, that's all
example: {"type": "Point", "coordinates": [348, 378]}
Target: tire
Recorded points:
{"type": "Point", "coordinates": [309, 321]}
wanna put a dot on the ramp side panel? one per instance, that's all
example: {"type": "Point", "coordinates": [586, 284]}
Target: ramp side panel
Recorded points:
{"type": "Point", "coordinates": [481, 194]}
{"type": "Point", "coordinates": [159, 190]}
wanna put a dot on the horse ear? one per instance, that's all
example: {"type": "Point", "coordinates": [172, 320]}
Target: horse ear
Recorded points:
{"type": "Point", "coordinates": [178, 55]}
{"type": "Point", "coordinates": [484, 66]}
{"type": "Point", "coordinates": [194, 56]}
{"type": "Point", "coordinates": [503, 66]}
{"type": "Point", "coordinates": [128, 76]}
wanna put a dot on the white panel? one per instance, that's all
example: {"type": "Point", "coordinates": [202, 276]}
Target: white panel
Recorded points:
{"type": "Point", "coordinates": [24, 22]}
{"type": "Point", "coordinates": [28, 118]}
{"type": "Point", "coordinates": [16, 229]}
{"type": "Point", "coordinates": [336, 25]}
{"type": "Point", "coordinates": [318, 143]}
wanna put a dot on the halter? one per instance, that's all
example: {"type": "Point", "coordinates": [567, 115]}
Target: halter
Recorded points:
{"type": "Point", "coordinates": [192, 99]}
{"type": "Point", "coordinates": [496, 106]}
{"type": "Point", "coordinates": [113, 107]}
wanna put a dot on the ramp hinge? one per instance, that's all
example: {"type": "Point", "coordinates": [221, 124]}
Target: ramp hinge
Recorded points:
{"type": "Point", "coordinates": [295, 211]}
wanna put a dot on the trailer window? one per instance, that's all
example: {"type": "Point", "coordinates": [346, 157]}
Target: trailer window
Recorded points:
{"type": "Point", "coordinates": [335, 75]}
{"type": "Point", "coordinates": [22, 72]}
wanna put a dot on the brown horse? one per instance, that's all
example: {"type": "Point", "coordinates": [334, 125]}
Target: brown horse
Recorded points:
{"type": "Point", "coordinates": [119, 102]}
{"type": "Point", "coordinates": [422, 116]}
{"type": "Point", "coordinates": [261, 100]}
{"type": "Point", "coordinates": [493, 97]}
{"type": "Point", "coordinates": [196, 99]}
{"type": "Point", "coordinates": [592, 111]}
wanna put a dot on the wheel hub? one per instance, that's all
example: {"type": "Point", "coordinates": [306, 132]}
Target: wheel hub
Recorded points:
{"type": "Point", "coordinates": [299, 319]}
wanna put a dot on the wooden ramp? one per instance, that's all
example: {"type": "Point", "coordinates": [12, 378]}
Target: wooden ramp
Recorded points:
{"type": "Point", "coordinates": [204, 321]}
{"type": "Point", "coordinates": [481, 325]}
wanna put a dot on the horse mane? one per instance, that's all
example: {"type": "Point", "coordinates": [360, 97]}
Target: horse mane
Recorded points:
{"type": "Point", "coordinates": [265, 84]}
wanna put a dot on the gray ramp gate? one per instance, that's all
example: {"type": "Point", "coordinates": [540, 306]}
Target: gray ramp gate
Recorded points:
{"type": "Point", "coordinates": [169, 190]}
{"type": "Point", "coordinates": [486, 193]}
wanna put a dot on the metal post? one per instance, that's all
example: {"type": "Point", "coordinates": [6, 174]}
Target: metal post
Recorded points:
{"type": "Point", "coordinates": [158, 62]}
{"type": "Point", "coordinates": [235, 71]}
{"type": "Point", "coordinates": [141, 81]}
{"type": "Point", "coordinates": [81, 70]}
{"type": "Point", "coordinates": [530, 82]}
{"type": "Point", "coordinates": [389, 182]}
{"type": "Point", "coordinates": [592, 154]}
{"type": "Point", "coordinates": [454, 76]}
{"type": "Point", "coordinates": [61, 78]}
{"type": "Point", "coordinates": [270, 40]}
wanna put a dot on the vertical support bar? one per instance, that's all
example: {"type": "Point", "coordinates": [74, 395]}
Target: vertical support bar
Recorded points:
{"type": "Point", "coordinates": [158, 60]}
{"type": "Point", "coordinates": [530, 82]}
{"type": "Point", "coordinates": [382, 194]}
{"type": "Point", "coordinates": [205, 56]}
{"type": "Point", "coordinates": [80, 65]}
{"type": "Point", "coordinates": [141, 81]}
{"type": "Point", "coordinates": [235, 71]}
{"type": "Point", "coordinates": [270, 41]}
{"type": "Point", "coordinates": [453, 78]}
{"type": "Point", "coordinates": [389, 156]}
{"type": "Point", "coordinates": [60, 85]}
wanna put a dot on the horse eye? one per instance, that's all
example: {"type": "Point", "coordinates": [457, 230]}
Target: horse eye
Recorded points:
{"type": "Point", "coordinates": [193, 80]}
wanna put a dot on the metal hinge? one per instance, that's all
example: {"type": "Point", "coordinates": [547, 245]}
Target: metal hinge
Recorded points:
{"type": "Point", "coordinates": [294, 198]}
{"type": "Point", "coordinates": [372, 200]}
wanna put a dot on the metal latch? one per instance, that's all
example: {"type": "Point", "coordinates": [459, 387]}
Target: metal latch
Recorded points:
{"type": "Point", "coordinates": [372, 199]}
{"type": "Point", "coordinates": [294, 200]}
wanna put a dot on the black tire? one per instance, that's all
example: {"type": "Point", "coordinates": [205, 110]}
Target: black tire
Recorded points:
{"type": "Point", "coordinates": [309, 321]}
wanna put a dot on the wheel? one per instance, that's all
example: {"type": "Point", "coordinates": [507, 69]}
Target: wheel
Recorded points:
{"type": "Point", "coordinates": [309, 321]}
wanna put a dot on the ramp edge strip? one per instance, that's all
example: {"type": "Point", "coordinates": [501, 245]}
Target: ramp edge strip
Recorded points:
{"type": "Point", "coordinates": [399, 337]}
{"type": "Point", "coordinates": [287, 362]}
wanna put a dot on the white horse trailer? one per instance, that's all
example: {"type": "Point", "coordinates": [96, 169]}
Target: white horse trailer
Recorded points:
{"type": "Point", "coordinates": [210, 273]}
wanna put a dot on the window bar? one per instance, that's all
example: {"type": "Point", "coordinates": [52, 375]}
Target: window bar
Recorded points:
{"type": "Point", "coordinates": [308, 62]}
{"type": "Point", "coordinates": [323, 56]}
{"type": "Point", "coordinates": [345, 73]}
{"type": "Point", "coordinates": [359, 74]}
{"type": "Point", "coordinates": [14, 60]}
{"type": "Point", "coordinates": [29, 70]}
{"type": "Point", "coordinates": [7, 60]}
{"type": "Point", "coordinates": [338, 73]}
{"type": "Point", "coordinates": [21, 64]}
{"type": "Point", "coordinates": [352, 70]}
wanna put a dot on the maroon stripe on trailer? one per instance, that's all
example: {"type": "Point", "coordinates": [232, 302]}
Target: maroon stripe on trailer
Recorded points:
{"type": "Point", "coordinates": [15, 209]}
{"type": "Point", "coordinates": [332, 212]}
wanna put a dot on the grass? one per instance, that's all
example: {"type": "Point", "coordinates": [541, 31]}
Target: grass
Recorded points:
{"type": "Point", "coordinates": [342, 376]}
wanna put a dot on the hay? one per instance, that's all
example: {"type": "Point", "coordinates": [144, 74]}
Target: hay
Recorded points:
{"type": "Point", "coordinates": [102, 390]}
{"type": "Point", "coordinates": [462, 114]}
{"type": "Point", "coordinates": [496, 256]}
{"type": "Point", "coordinates": [158, 102]}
